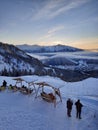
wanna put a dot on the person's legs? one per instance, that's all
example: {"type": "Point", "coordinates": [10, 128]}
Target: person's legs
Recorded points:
{"type": "Point", "coordinates": [79, 114]}
{"type": "Point", "coordinates": [68, 112]}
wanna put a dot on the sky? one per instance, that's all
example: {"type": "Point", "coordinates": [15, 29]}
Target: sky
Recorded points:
{"type": "Point", "coordinates": [50, 22]}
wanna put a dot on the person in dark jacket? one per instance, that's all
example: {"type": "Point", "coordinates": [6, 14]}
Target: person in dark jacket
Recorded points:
{"type": "Point", "coordinates": [78, 109]}
{"type": "Point", "coordinates": [4, 83]}
{"type": "Point", "coordinates": [69, 104]}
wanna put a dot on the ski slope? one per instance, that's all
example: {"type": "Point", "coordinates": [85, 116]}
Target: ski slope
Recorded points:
{"type": "Point", "coordinates": [25, 112]}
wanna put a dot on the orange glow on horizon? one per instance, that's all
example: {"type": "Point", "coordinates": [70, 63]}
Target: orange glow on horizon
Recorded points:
{"type": "Point", "coordinates": [87, 46]}
{"type": "Point", "coordinates": [90, 43]}
{"type": "Point", "coordinates": [82, 44]}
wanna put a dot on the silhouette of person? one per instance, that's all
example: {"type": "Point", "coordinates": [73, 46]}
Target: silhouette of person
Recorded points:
{"type": "Point", "coordinates": [69, 104]}
{"type": "Point", "coordinates": [4, 83]}
{"type": "Point", "coordinates": [78, 108]}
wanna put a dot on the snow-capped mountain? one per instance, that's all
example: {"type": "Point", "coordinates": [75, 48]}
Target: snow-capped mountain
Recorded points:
{"type": "Point", "coordinates": [43, 49]}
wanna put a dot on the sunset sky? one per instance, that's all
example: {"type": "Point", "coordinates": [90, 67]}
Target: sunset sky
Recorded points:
{"type": "Point", "coordinates": [50, 22]}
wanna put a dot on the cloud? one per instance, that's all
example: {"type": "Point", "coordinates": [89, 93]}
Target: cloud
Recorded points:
{"type": "Point", "coordinates": [53, 8]}
{"type": "Point", "coordinates": [51, 32]}
{"type": "Point", "coordinates": [55, 29]}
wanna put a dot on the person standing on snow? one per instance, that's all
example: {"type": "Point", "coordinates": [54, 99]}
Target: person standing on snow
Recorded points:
{"type": "Point", "coordinates": [4, 83]}
{"type": "Point", "coordinates": [69, 104]}
{"type": "Point", "coordinates": [78, 109]}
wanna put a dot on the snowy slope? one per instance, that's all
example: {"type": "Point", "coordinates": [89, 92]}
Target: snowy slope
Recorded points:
{"type": "Point", "coordinates": [18, 111]}
{"type": "Point", "coordinates": [14, 61]}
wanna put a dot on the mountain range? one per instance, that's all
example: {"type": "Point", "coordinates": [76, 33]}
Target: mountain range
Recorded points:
{"type": "Point", "coordinates": [44, 49]}
{"type": "Point", "coordinates": [16, 62]}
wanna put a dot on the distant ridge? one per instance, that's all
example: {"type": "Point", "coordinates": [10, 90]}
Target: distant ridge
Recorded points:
{"type": "Point", "coordinates": [43, 49]}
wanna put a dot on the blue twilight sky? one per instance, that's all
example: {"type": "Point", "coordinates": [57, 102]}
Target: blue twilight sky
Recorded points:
{"type": "Point", "coordinates": [50, 22]}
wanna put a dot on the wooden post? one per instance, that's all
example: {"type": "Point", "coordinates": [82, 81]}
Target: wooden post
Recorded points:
{"type": "Point", "coordinates": [55, 103]}
{"type": "Point", "coordinates": [60, 95]}
{"type": "Point", "coordinates": [37, 91]}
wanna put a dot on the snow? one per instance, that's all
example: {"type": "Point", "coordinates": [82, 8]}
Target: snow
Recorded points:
{"type": "Point", "coordinates": [18, 111]}
{"type": "Point", "coordinates": [21, 65]}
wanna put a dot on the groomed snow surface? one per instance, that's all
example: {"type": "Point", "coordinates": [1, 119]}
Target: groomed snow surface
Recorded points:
{"type": "Point", "coordinates": [25, 112]}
